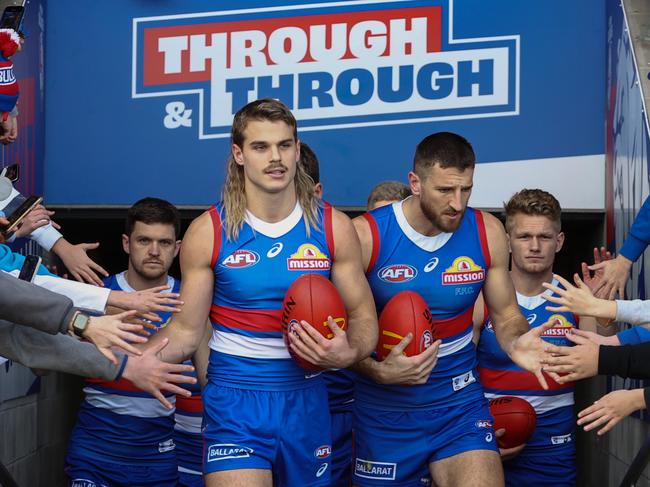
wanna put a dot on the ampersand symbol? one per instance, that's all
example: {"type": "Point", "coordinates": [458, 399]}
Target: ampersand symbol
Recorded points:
{"type": "Point", "coordinates": [177, 115]}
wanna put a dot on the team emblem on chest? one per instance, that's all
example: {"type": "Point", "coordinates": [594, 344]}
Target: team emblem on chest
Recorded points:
{"type": "Point", "coordinates": [308, 256]}
{"type": "Point", "coordinates": [463, 271]}
{"type": "Point", "coordinates": [561, 327]}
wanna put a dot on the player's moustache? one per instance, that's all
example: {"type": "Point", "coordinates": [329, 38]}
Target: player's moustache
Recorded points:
{"type": "Point", "coordinates": [275, 167]}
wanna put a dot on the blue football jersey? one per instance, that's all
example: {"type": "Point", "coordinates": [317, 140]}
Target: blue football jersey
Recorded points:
{"type": "Point", "coordinates": [448, 270]}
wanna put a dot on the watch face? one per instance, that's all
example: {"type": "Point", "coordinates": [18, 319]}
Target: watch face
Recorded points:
{"type": "Point", "coordinates": [80, 323]}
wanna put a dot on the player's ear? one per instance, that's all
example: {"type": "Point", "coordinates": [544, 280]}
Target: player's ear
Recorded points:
{"type": "Point", "coordinates": [178, 248]}
{"type": "Point", "coordinates": [125, 243]}
{"type": "Point", "coordinates": [414, 183]}
{"type": "Point", "coordinates": [237, 154]}
{"type": "Point", "coordinates": [559, 242]}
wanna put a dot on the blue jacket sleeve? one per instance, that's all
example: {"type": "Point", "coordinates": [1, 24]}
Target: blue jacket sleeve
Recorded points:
{"type": "Point", "coordinates": [634, 336]}
{"type": "Point", "coordinates": [639, 236]}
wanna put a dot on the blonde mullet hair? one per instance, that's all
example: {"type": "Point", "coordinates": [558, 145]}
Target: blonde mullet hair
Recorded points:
{"type": "Point", "coordinates": [234, 189]}
{"type": "Point", "coordinates": [234, 199]}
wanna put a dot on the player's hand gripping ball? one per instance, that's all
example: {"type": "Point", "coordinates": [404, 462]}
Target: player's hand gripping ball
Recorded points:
{"type": "Point", "coordinates": [406, 312]}
{"type": "Point", "coordinates": [312, 298]}
{"type": "Point", "coordinates": [516, 416]}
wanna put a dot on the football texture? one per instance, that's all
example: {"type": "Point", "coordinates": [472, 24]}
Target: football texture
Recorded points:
{"type": "Point", "coordinates": [312, 298]}
{"type": "Point", "coordinates": [406, 312]}
{"type": "Point", "coordinates": [518, 418]}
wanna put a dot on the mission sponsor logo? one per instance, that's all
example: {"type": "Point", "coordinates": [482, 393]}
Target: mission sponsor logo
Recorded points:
{"type": "Point", "coordinates": [375, 470]}
{"type": "Point", "coordinates": [561, 327]}
{"type": "Point", "coordinates": [308, 257]}
{"type": "Point", "coordinates": [397, 273]}
{"type": "Point", "coordinates": [348, 64]}
{"type": "Point", "coordinates": [240, 259]}
{"type": "Point", "coordinates": [463, 271]}
{"type": "Point", "coordinates": [483, 423]}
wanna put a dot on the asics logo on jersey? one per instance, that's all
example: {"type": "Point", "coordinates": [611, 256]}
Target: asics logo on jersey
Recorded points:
{"type": "Point", "coordinates": [531, 318]}
{"type": "Point", "coordinates": [488, 437]}
{"type": "Point", "coordinates": [323, 452]}
{"type": "Point", "coordinates": [224, 451]}
{"type": "Point", "coordinates": [397, 273]}
{"type": "Point", "coordinates": [275, 250]}
{"type": "Point", "coordinates": [375, 470]}
{"type": "Point", "coordinates": [463, 271]}
{"type": "Point", "coordinates": [432, 264]}
{"type": "Point", "coordinates": [489, 327]}
{"type": "Point", "coordinates": [321, 470]}
{"type": "Point", "coordinates": [240, 259]}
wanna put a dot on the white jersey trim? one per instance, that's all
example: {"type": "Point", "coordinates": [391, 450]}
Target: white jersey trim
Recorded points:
{"type": "Point", "coordinates": [139, 407]}
{"type": "Point", "coordinates": [542, 404]}
{"type": "Point", "coordinates": [430, 244]}
{"type": "Point", "coordinates": [190, 471]}
{"type": "Point", "coordinates": [277, 229]}
{"type": "Point", "coordinates": [455, 345]}
{"type": "Point", "coordinates": [532, 302]}
{"type": "Point", "coordinates": [188, 424]}
{"type": "Point", "coordinates": [251, 347]}
{"type": "Point", "coordinates": [125, 286]}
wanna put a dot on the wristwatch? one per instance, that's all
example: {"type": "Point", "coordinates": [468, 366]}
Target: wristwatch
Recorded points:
{"type": "Point", "coordinates": [79, 324]}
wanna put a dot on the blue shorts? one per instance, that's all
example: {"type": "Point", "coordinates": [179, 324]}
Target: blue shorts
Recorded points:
{"type": "Point", "coordinates": [396, 447]}
{"type": "Point", "coordinates": [287, 432]}
{"type": "Point", "coordinates": [550, 470]}
{"type": "Point", "coordinates": [190, 480]}
{"type": "Point", "coordinates": [87, 472]}
{"type": "Point", "coordinates": [341, 449]}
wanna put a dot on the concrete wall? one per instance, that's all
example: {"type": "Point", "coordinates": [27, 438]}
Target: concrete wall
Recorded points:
{"type": "Point", "coordinates": [34, 432]}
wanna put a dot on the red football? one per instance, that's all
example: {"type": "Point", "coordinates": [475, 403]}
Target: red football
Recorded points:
{"type": "Point", "coordinates": [518, 418]}
{"type": "Point", "coordinates": [312, 298]}
{"type": "Point", "coordinates": [406, 312]}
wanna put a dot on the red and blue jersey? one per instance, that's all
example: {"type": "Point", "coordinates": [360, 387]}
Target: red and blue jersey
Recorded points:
{"type": "Point", "coordinates": [502, 377]}
{"type": "Point", "coordinates": [118, 422]}
{"type": "Point", "coordinates": [252, 275]}
{"type": "Point", "coordinates": [448, 270]}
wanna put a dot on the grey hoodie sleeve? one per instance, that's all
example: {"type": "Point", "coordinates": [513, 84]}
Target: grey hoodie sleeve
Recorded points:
{"type": "Point", "coordinates": [635, 311]}
{"type": "Point", "coordinates": [26, 304]}
{"type": "Point", "coordinates": [39, 350]}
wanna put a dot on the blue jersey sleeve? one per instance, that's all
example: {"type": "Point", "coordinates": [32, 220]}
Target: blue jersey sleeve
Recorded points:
{"type": "Point", "coordinates": [639, 236]}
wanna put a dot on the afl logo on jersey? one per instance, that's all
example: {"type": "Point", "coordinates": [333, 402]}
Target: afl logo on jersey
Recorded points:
{"type": "Point", "coordinates": [397, 273]}
{"type": "Point", "coordinates": [463, 271]}
{"type": "Point", "coordinates": [561, 327]}
{"type": "Point", "coordinates": [240, 259]}
{"type": "Point", "coordinates": [308, 256]}
{"type": "Point", "coordinates": [323, 452]}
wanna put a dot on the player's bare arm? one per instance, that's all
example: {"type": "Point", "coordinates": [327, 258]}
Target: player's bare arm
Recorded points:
{"type": "Point", "coordinates": [523, 345]}
{"type": "Point", "coordinates": [478, 316]}
{"type": "Point", "coordinates": [396, 368]}
{"type": "Point", "coordinates": [346, 348]}
{"type": "Point", "coordinates": [186, 328]}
